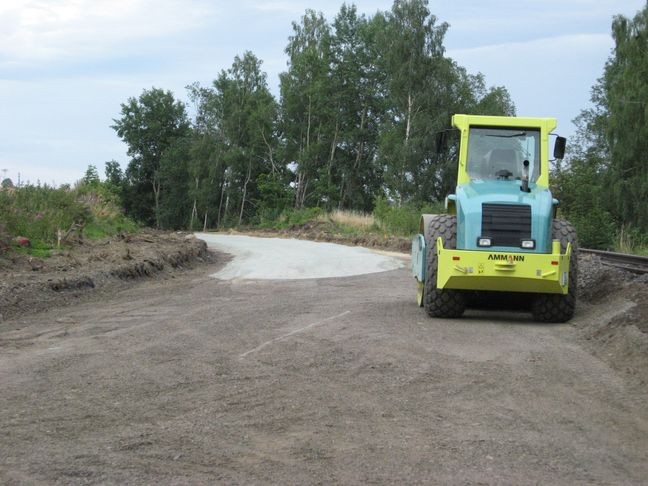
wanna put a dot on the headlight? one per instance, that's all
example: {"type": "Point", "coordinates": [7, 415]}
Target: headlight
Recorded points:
{"type": "Point", "coordinates": [528, 244]}
{"type": "Point", "coordinates": [484, 242]}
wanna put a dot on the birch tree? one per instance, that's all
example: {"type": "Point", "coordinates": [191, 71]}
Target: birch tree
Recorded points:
{"type": "Point", "coordinates": [305, 105]}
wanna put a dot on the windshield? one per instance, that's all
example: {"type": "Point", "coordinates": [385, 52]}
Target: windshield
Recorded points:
{"type": "Point", "coordinates": [499, 153]}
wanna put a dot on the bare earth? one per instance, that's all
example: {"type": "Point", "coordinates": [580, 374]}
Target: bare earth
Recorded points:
{"type": "Point", "coordinates": [187, 379]}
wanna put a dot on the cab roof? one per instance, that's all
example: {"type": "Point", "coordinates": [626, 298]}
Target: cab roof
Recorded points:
{"type": "Point", "coordinates": [463, 122]}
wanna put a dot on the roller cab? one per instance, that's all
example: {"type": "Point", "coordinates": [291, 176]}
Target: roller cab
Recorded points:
{"type": "Point", "coordinates": [499, 233]}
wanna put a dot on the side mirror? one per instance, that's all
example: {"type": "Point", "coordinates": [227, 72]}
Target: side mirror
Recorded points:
{"type": "Point", "coordinates": [441, 142]}
{"type": "Point", "coordinates": [559, 148]}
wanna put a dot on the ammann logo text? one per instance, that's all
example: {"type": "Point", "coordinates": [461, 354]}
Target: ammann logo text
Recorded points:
{"type": "Point", "coordinates": [506, 258]}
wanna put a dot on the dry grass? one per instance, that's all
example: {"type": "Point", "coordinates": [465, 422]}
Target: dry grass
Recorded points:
{"type": "Point", "coordinates": [631, 242]}
{"type": "Point", "coordinates": [354, 219]}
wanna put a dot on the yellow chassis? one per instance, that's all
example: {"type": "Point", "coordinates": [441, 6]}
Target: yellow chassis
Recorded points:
{"type": "Point", "coordinates": [503, 271]}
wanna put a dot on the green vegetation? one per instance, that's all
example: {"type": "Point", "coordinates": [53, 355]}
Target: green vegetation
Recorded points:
{"type": "Point", "coordinates": [37, 249]}
{"type": "Point", "coordinates": [351, 141]}
{"type": "Point", "coordinates": [387, 219]}
{"type": "Point", "coordinates": [44, 214]}
{"type": "Point", "coordinates": [291, 218]}
{"type": "Point", "coordinates": [38, 212]}
{"type": "Point", "coordinates": [361, 101]}
{"type": "Point", "coordinates": [403, 220]}
{"type": "Point", "coordinates": [604, 184]}
{"type": "Point", "coordinates": [351, 222]}
{"type": "Point", "coordinates": [631, 241]}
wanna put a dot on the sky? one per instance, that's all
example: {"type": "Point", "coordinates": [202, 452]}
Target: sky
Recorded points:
{"type": "Point", "coordinates": [67, 65]}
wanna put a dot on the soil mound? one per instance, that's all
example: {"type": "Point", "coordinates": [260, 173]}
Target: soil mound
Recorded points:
{"type": "Point", "coordinates": [30, 284]}
{"type": "Point", "coordinates": [614, 317]}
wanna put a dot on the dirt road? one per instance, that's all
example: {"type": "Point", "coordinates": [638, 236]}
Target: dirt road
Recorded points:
{"type": "Point", "coordinates": [198, 380]}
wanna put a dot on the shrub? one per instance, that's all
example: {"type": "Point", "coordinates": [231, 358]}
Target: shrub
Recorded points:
{"type": "Point", "coordinates": [631, 240]}
{"type": "Point", "coordinates": [39, 212]}
{"type": "Point", "coordinates": [402, 220]}
{"type": "Point", "coordinates": [274, 199]}
{"type": "Point", "coordinates": [594, 230]}
{"type": "Point", "coordinates": [297, 217]}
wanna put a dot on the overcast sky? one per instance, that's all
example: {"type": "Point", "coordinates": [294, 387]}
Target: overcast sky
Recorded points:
{"type": "Point", "coordinates": [66, 65]}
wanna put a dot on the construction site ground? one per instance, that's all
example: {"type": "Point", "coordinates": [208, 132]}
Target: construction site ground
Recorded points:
{"type": "Point", "coordinates": [126, 361]}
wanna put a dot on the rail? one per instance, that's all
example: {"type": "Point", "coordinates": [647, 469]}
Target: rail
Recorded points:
{"type": "Point", "coordinates": [629, 263]}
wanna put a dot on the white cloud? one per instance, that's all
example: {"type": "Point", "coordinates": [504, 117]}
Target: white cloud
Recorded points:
{"type": "Point", "coordinates": [33, 31]}
{"type": "Point", "coordinates": [282, 7]}
{"type": "Point", "coordinates": [295, 8]}
{"type": "Point", "coordinates": [580, 42]}
{"type": "Point", "coordinates": [546, 77]}
{"type": "Point", "coordinates": [475, 22]}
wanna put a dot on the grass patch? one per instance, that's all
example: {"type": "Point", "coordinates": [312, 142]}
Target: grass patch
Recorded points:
{"type": "Point", "coordinates": [387, 219]}
{"type": "Point", "coordinates": [348, 223]}
{"type": "Point", "coordinates": [354, 220]}
{"type": "Point", "coordinates": [293, 217]}
{"type": "Point", "coordinates": [631, 241]}
{"type": "Point", "coordinates": [38, 212]}
{"type": "Point", "coordinates": [103, 227]}
{"type": "Point", "coordinates": [403, 220]}
{"type": "Point", "coordinates": [41, 213]}
{"type": "Point", "coordinates": [37, 249]}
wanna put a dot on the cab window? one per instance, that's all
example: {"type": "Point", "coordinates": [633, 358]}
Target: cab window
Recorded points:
{"type": "Point", "coordinates": [499, 153]}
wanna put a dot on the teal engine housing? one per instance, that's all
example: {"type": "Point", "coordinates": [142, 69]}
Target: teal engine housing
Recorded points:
{"type": "Point", "coordinates": [505, 214]}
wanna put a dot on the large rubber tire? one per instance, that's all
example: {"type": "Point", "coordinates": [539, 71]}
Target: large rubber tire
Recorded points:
{"type": "Point", "coordinates": [446, 303]}
{"type": "Point", "coordinates": [560, 307]}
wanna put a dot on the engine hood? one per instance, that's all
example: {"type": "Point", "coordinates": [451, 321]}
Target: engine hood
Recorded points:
{"type": "Point", "coordinates": [472, 196]}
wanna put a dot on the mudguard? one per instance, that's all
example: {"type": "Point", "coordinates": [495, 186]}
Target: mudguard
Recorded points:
{"type": "Point", "coordinates": [419, 252]}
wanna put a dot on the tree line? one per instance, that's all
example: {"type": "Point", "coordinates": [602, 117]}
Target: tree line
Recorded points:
{"type": "Point", "coordinates": [604, 184]}
{"type": "Point", "coordinates": [360, 103]}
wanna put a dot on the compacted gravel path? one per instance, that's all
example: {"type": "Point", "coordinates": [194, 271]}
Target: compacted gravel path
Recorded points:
{"type": "Point", "coordinates": [196, 380]}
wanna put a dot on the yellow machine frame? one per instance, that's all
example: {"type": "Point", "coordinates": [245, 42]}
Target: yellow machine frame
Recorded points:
{"type": "Point", "coordinates": [509, 272]}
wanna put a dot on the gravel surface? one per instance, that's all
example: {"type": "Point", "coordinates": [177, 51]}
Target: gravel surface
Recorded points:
{"type": "Point", "coordinates": [192, 380]}
{"type": "Point", "coordinates": [289, 259]}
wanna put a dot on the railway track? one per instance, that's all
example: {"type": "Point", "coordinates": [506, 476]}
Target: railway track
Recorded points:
{"type": "Point", "coordinates": [631, 263]}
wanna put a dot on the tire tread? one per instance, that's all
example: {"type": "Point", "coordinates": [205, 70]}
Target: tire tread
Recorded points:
{"type": "Point", "coordinates": [446, 303]}
{"type": "Point", "coordinates": [559, 307]}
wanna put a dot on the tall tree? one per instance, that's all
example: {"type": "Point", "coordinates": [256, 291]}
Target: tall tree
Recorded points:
{"type": "Point", "coordinates": [114, 174]}
{"type": "Point", "coordinates": [626, 94]}
{"type": "Point", "coordinates": [149, 125]}
{"type": "Point", "coordinates": [358, 110]}
{"type": "Point", "coordinates": [206, 167]}
{"type": "Point", "coordinates": [605, 176]}
{"type": "Point", "coordinates": [361, 103]}
{"type": "Point", "coordinates": [418, 77]}
{"type": "Point", "coordinates": [174, 205]}
{"type": "Point", "coordinates": [91, 177]}
{"type": "Point", "coordinates": [306, 111]}
{"type": "Point", "coordinates": [237, 120]}
{"type": "Point", "coordinates": [423, 88]}
{"type": "Point", "coordinates": [248, 114]}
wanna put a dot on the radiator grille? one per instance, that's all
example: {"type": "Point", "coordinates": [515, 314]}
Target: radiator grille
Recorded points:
{"type": "Point", "coordinates": [506, 224]}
